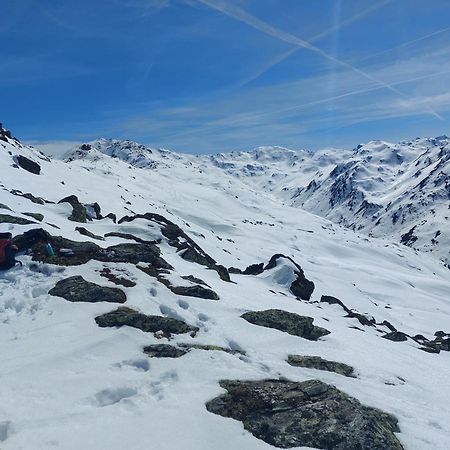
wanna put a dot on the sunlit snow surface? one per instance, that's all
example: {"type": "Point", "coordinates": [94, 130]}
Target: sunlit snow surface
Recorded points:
{"type": "Point", "coordinates": [67, 384]}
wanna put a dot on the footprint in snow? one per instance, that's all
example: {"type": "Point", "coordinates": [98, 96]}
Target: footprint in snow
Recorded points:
{"type": "Point", "coordinates": [183, 304]}
{"type": "Point", "coordinates": [140, 364]}
{"type": "Point", "coordinates": [108, 397]}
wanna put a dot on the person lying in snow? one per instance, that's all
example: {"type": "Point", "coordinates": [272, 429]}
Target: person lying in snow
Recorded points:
{"type": "Point", "coordinates": [8, 252]}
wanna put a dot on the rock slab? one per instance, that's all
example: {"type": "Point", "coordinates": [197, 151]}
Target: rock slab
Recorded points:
{"type": "Point", "coordinates": [289, 414]}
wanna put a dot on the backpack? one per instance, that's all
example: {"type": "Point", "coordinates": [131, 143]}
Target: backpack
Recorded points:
{"type": "Point", "coordinates": [7, 253]}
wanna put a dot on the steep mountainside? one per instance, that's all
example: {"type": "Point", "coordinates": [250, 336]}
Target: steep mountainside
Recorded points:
{"type": "Point", "coordinates": [181, 307]}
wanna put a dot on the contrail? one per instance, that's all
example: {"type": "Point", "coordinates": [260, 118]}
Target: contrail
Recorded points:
{"type": "Point", "coordinates": [287, 54]}
{"type": "Point", "coordinates": [258, 24]}
{"type": "Point", "coordinates": [407, 44]}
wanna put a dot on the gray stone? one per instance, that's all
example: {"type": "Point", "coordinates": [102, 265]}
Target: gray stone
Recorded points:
{"type": "Point", "coordinates": [28, 165]}
{"type": "Point", "coordinates": [149, 324]}
{"type": "Point", "coordinates": [77, 289]}
{"type": "Point", "coordinates": [289, 414]}
{"type": "Point", "coordinates": [316, 362]}
{"type": "Point", "coordinates": [288, 322]}
{"type": "Point", "coordinates": [163, 351]}
{"type": "Point", "coordinates": [6, 218]}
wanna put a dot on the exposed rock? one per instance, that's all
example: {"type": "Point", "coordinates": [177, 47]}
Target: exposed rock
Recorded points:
{"type": "Point", "coordinates": [301, 287]}
{"type": "Point", "coordinates": [189, 291]}
{"type": "Point", "coordinates": [120, 281]}
{"type": "Point", "coordinates": [363, 320]}
{"type": "Point", "coordinates": [316, 362]}
{"type": "Point", "coordinates": [396, 336]}
{"type": "Point", "coordinates": [130, 237]}
{"type": "Point", "coordinates": [79, 213]}
{"type": "Point", "coordinates": [6, 218]}
{"type": "Point", "coordinates": [193, 279]}
{"type": "Point", "coordinates": [149, 324]}
{"type": "Point", "coordinates": [194, 291]}
{"type": "Point", "coordinates": [312, 414]}
{"type": "Point", "coordinates": [2, 206]}
{"type": "Point", "coordinates": [85, 251]}
{"type": "Point", "coordinates": [87, 233]}
{"type": "Point", "coordinates": [286, 321]}
{"type": "Point", "coordinates": [254, 269]}
{"type": "Point", "coordinates": [36, 216]}
{"type": "Point", "coordinates": [31, 197]}
{"type": "Point", "coordinates": [163, 351]}
{"type": "Point", "coordinates": [77, 289]}
{"type": "Point", "coordinates": [28, 165]}
{"type": "Point", "coordinates": [188, 248]}
{"type": "Point", "coordinates": [211, 348]}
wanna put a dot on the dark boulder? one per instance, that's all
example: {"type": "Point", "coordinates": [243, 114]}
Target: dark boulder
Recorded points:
{"type": "Point", "coordinates": [6, 218]}
{"type": "Point", "coordinates": [194, 291]}
{"type": "Point", "coordinates": [87, 233]}
{"type": "Point", "coordinates": [316, 362]}
{"type": "Point", "coordinates": [149, 324]}
{"type": "Point", "coordinates": [79, 213]}
{"type": "Point", "coordinates": [301, 287]}
{"type": "Point", "coordinates": [77, 289]}
{"type": "Point", "coordinates": [28, 165]}
{"type": "Point", "coordinates": [118, 280]}
{"type": "Point", "coordinates": [289, 414]}
{"type": "Point", "coordinates": [395, 336]}
{"type": "Point", "coordinates": [36, 216]}
{"type": "Point", "coordinates": [163, 351]}
{"type": "Point", "coordinates": [288, 322]}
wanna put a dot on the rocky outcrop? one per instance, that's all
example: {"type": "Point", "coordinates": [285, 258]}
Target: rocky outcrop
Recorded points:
{"type": "Point", "coordinates": [77, 289]}
{"type": "Point", "coordinates": [28, 165]}
{"type": "Point", "coordinates": [37, 216]}
{"type": "Point", "coordinates": [87, 233]}
{"type": "Point", "coordinates": [6, 218]}
{"type": "Point", "coordinates": [118, 280]}
{"type": "Point", "coordinates": [79, 213]}
{"type": "Point", "coordinates": [289, 414]}
{"type": "Point", "coordinates": [363, 319]}
{"type": "Point", "coordinates": [316, 362]}
{"type": "Point", "coordinates": [124, 316]}
{"type": "Point", "coordinates": [163, 351]}
{"type": "Point", "coordinates": [37, 241]}
{"type": "Point", "coordinates": [188, 249]}
{"type": "Point", "coordinates": [288, 322]}
{"type": "Point", "coordinates": [301, 287]}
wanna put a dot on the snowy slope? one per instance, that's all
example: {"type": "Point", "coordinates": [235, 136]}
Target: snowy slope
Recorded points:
{"type": "Point", "coordinates": [395, 191]}
{"type": "Point", "coordinates": [68, 384]}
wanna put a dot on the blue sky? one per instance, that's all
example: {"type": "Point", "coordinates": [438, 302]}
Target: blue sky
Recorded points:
{"type": "Point", "coordinates": [205, 76]}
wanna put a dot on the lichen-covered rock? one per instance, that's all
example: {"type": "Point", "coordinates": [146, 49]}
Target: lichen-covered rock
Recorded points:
{"type": "Point", "coordinates": [77, 289]}
{"type": "Point", "coordinates": [288, 322]}
{"type": "Point", "coordinates": [163, 351]}
{"type": "Point", "coordinates": [289, 414]}
{"type": "Point", "coordinates": [149, 324]}
{"type": "Point", "coordinates": [316, 362]}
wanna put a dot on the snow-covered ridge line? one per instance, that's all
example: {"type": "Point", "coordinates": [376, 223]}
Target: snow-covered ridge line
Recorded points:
{"type": "Point", "coordinates": [395, 191]}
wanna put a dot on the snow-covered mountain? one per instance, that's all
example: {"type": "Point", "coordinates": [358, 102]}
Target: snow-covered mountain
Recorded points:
{"type": "Point", "coordinates": [400, 192]}
{"type": "Point", "coordinates": [194, 301]}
